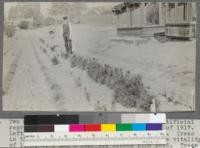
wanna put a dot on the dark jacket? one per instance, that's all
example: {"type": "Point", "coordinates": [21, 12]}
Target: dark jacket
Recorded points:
{"type": "Point", "coordinates": [66, 30]}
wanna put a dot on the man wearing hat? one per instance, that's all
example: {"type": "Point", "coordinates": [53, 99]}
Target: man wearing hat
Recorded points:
{"type": "Point", "coordinates": [67, 35]}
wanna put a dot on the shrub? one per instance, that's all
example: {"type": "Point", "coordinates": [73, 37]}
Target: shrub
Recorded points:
{"type": "Point", "coordinates": [38, 21]}
{"type": "Point", "coordinates": [49, 21]}
{"type": "Point", "coordinates": [129, 90]}
{"type": "Point", "coordinates": [54, 60]}
{"type": "Point", "coordinates": [23, 25]}
{"type": "Point", "coordinates": [44, 50]}
{"type": "Point", "coordinates": [42, 41]}
{"type": "Point", "coordinates": [9, 30]}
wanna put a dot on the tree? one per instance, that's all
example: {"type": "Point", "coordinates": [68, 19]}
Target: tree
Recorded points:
{"type": "Point", "coordinates": [24, 10]}
{"type": "Point", "coordinates": [13, 13]}
{"type": "Point", "coordinates": [38, 20]}
{"type": "Point", "coordinates": [49, 21]}
{"type": "Point", "coordinates": [66, 8]}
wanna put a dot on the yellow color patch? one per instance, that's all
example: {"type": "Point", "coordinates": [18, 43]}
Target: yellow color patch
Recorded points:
{"type": "Point", "coordinates": [108, 127]}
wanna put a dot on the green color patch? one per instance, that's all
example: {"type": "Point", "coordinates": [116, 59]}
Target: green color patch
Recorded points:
{"type": "Point", "coordinates": [124, 127]}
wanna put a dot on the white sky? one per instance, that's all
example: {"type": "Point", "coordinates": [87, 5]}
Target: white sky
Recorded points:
{"type": "Point", "coordinates": [46, 5]}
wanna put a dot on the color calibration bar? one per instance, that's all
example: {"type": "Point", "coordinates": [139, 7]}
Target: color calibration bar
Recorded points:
{"type": "Point", "coordinates": [95, 127]}
{"type": "Point", "coordinates": [54, 130]}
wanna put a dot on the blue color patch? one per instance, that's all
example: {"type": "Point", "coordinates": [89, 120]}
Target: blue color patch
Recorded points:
{"type": "Point", "coordinates": [139, 127]}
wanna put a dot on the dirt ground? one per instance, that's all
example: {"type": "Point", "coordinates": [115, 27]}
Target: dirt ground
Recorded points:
{"type": "Point", "coordinates": [32, 83]}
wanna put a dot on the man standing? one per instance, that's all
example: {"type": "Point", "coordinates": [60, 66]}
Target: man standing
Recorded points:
{"type": "Point", "coordinates": [67, 35]}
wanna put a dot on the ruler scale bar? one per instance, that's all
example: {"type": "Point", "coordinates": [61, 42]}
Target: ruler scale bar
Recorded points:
{"type": "Point", "coordinates": [89, 138]}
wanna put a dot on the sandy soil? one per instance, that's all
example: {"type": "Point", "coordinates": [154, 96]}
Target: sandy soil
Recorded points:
{"type": "Point", "coordinates": [32, 82]}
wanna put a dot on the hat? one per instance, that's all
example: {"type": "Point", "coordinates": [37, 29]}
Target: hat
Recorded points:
{"type": "Point", "coordinates": [65, 17]}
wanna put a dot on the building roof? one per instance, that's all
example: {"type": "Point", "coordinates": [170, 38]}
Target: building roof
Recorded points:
{"type": "Point", "coordinates": [121, 8]}
{"type": "Point", "coordinates": [132, 4]}
{"type": "Point", "coordinates": [118, 9]}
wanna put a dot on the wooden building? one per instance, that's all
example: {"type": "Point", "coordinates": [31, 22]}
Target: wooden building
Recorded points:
{"type": "Point", "coordinates": [149, 18]}
{"type": "Point", "coordinates": [180, 20]}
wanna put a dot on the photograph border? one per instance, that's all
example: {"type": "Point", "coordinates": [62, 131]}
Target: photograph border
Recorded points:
{"type": "Point", "coordinates": [171, 115]}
